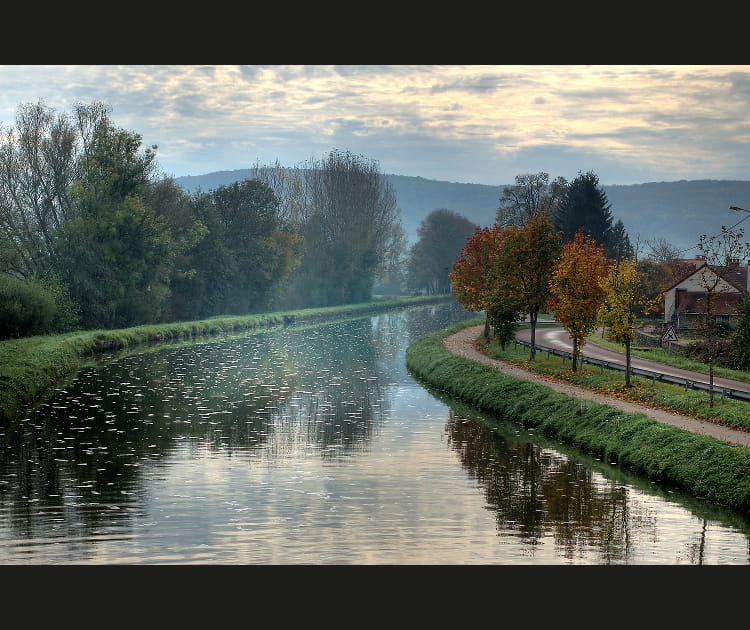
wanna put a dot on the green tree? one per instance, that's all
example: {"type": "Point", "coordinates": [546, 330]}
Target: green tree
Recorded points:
{"type": "Point", "coordinates": [620, 246]}
{"type": "Point", "coordinates": [442, 235]}
{"type": "Point", "coordinates": [346, 227]}
{"type": "Point", "coordinates": [524, 267]}
{"type": "Point", "coordinates": [114, 251]}
{"type": "Point", "coordinates": [585, 205]}
{"type": "Point", "coordinates": [244, 257]}
{"type": "Point", "coordinates": [176, 209]}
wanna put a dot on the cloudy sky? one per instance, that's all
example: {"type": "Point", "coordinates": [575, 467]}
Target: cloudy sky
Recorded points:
{"type": "Point", "coordinates": [476, 123]}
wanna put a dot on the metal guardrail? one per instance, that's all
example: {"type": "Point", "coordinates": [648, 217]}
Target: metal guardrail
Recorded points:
{"type": "Point", "coordinates": [724, 392]}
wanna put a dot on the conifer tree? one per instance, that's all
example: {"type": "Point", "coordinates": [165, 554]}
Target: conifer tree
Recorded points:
{"type": "Point", "coordinates": [586, 206]}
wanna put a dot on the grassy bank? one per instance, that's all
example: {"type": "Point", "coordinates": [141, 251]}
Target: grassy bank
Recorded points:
{"type": "Point", "coordinates": [700, 465]}
{"type": "Point", "coordinates": [32, 366]}
{"type": "Point", "coordinates": [693, 402]}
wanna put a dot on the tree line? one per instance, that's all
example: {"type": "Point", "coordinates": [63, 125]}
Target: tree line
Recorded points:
{"type": "Point", "coordinates": [554, 247]}
{"type": "Point", "coordinates": [93, 235]}
{"type": "Point", "coordinates": [567, 205]}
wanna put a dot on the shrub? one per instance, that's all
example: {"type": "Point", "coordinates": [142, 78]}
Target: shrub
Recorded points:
{"type": "Point", "coordinates": [698, 350]}
{"type": "Point", "coordinates": [26, 308]}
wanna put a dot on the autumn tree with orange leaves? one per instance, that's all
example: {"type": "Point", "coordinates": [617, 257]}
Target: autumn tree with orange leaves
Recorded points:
{"type": "Point", "coordinates": [470, 275]}
{"type": "Point", "coordinates": [576, 286]}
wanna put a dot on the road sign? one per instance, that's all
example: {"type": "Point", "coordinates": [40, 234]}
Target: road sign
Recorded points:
{"type": "Point", "coordinates": [669, 335]}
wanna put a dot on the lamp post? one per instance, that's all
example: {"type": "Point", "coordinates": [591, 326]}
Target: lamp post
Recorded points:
{"type": "Point", "coordinates": [738, 209]}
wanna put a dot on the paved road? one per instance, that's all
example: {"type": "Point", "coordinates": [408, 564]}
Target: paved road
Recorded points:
{"type": "Point", "coordinates": [557, 338]}
{"type": "Point", "coordinates": [462, 344]}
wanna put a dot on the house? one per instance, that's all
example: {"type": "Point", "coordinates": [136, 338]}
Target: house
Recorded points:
{"type": "Point", "coordinates": [685, 301]}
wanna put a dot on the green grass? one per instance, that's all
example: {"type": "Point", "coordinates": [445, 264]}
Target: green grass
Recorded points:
{"type": "Point", "coordinates": [696, 403]}
{"type": "Point", "coordinates": [673, 358]}
{"type": "Point", "coordinates": [32, 366]}
{"type": "Point", "coordinates": [700, 465]}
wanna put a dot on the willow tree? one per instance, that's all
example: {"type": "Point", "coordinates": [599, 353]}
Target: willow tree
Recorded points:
{"type": "Point", "coordinates": [577, 293]}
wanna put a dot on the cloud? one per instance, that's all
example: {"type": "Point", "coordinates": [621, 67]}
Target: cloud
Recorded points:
{"type": "Point", "coordinates": [482, 123]}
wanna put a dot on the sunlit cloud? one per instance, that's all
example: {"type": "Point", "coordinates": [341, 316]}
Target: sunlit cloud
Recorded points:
{"type": "Point", "coordinates": [477, 123]}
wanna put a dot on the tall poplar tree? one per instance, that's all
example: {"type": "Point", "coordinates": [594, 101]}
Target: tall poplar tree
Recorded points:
{"type": "Point", "coordinates": [346, 227]}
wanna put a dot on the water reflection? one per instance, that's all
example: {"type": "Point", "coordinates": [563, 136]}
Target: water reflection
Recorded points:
{"type": "Point", "coordinates": [537, 492]}
{"type": "Point", "coordinates": [312, 444]}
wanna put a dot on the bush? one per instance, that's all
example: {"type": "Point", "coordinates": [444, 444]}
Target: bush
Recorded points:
{"type": "Point", "coordinates": [67, 313]}
{"type": "Point", "coordinates": [698, 350]}
{"type": "Point", "coordinates": [26, 308]}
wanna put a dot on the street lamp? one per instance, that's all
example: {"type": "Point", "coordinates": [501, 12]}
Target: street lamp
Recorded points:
{"type": "Point", "coordinates": [738, 209]}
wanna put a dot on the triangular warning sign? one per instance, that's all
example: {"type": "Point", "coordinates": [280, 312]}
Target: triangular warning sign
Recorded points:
{"type": "Point", "coordinates": [669, 335]}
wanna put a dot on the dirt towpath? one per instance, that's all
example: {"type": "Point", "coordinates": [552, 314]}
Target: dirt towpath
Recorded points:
{"type": "Point", "coordinates": [462, 344]}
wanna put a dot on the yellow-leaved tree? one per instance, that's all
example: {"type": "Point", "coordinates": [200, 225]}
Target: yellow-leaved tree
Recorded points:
{"type": "Point", "coordinates": [624, 298]}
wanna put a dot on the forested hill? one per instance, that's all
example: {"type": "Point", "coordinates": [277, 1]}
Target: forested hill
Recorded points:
{"type": "Point", "coordinates": [677, 211]}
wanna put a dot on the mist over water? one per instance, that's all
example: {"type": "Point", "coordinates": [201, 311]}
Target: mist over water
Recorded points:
{"type": "Point", "coordinates": [313, 445]}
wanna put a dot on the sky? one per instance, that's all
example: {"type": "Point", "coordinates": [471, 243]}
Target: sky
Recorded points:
{"type": "Point", "coordinates": [482, 124]}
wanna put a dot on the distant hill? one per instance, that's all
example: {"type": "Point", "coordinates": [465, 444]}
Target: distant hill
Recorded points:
{"type": "Point", "coordinates": [678, 212]}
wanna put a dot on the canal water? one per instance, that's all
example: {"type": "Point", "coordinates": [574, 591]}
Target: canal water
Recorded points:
{"type": "Point", "coordinates": [312, 445]}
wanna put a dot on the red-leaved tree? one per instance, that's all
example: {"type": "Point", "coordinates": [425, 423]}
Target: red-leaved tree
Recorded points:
{"type": "Point", "coordinates": [470, 275]}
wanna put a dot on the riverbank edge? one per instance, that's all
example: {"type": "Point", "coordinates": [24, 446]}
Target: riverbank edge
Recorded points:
{"type": "Point", "coordinates": [698, 464]}
{"type": "Point", "coordinates": [31, 367]}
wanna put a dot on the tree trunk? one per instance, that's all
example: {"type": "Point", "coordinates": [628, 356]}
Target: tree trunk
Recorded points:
{"type": "Point", "coordinates": [627, 363]}
{"type": "Point", "coordinates": [532, 320]}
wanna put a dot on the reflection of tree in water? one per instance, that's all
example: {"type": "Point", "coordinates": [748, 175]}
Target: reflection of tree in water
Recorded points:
{"type": "Point", "coordinates": [76, 461]}
{"type": "Point", "coordinates": [340, 394]}
{"type": "Point", "coordinates": [534, 490]}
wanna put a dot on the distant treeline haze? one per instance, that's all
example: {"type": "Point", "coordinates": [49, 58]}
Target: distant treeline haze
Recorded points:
{"type": "Point", "coordinates": [91, 236]}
